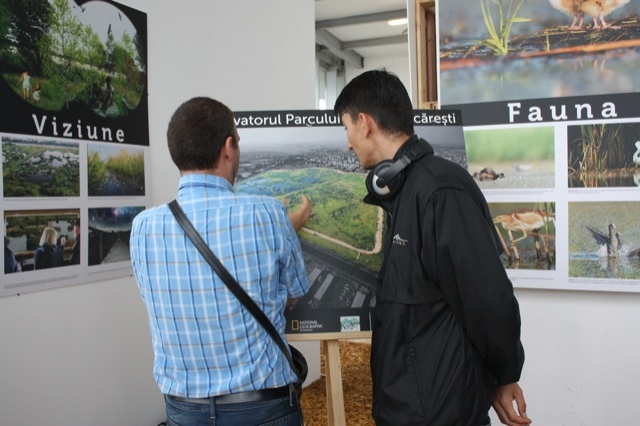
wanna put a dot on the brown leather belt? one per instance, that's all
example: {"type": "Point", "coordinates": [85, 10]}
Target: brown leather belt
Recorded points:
{"type": "Point", "coordinates": [240, 397]}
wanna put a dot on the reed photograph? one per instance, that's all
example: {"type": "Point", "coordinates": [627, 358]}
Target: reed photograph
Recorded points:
{"type": "Point", "coordinates": [114, 170]}
{"type": "Point", "coordinates": [604, 155]}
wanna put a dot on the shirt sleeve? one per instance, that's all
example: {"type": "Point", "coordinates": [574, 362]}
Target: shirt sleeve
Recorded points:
{"type": "Point", "coordinates": [293, 270]}
{"type": "Point", "coordinates": [464, 259]}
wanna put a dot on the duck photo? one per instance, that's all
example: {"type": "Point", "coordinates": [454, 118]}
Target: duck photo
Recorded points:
{"type": "Point", "coordinates": [511, 158]}
{"type": "Point", "coordinates": [604, 240]}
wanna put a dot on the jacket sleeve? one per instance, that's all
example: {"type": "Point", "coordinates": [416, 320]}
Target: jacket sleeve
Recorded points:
{"type": "Point", "coordinates": [460, 253]}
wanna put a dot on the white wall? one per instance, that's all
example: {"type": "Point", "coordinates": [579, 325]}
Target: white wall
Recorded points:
{"type": "Point", "coordinates": [582, 351]}
{"type": "Point", "coordinates": [399, 65]}
{"type": "Point", "coordinates": [81, 355]}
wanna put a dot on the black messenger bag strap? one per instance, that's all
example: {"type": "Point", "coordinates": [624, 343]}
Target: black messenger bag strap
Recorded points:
{"type": "Point", "coordinates": [229, 281]}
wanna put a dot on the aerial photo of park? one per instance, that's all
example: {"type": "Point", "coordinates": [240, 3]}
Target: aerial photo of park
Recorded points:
{"type": "Point", "coordinates": [40, 168]}
{"type": "Point", "coordinates": [342, 241]}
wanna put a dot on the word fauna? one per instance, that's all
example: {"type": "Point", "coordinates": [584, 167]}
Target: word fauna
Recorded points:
{"type": "Point", "coordinates": [561, 112]}
{"type": "Point", "coordinates": [78, 131]}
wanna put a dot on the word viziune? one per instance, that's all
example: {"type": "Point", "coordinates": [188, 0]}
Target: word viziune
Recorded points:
{"type": "Point", "coordinates": [71, 130]}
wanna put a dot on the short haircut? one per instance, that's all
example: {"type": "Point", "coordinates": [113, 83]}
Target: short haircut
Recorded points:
{"type": "Point", "coordinates": [197, 131]}
{"type": "Point", "coordinates": [382, 95]}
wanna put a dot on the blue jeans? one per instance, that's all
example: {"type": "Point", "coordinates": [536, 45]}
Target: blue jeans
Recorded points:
{"type": "Point", "coordinates": [282, 412]}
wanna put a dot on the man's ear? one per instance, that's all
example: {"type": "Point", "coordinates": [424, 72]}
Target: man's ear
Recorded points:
{"type": "Point", "coordinates": [228, 147]}
{"type": "Point", "coordinates": [367, 123]}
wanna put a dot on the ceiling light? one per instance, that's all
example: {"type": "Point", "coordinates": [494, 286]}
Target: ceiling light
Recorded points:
{"type": "Point", "coordinates": [395, 22]}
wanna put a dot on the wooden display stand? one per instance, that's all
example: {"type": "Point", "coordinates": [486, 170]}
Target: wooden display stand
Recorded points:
{"type": "Point", "coordinates": [426, 54]}
{"type": "Point", "coordinates": [329, 346]}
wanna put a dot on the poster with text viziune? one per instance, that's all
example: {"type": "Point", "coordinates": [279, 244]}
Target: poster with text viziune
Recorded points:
{"type": "Point", "coordinates": [289, 153]}
{"type": "Point", "coordinates": [75, 140]}
{"type": "Point", "coordinates": [549, 92]}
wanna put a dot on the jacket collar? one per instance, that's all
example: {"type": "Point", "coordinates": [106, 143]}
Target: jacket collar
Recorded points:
{"type": "Point", "coordinates": [414, 148]}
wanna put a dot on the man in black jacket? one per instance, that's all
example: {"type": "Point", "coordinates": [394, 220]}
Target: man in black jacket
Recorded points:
{"type": "Point", "coordinates": [75, 251]}
{"type": "Point", "coordinates": [446, 326]}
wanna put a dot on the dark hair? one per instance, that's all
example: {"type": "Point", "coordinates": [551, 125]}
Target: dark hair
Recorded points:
{"type": "Point", "coordinates": [197, 132]}
{"type": "Point", "coordinates": [382, 95]}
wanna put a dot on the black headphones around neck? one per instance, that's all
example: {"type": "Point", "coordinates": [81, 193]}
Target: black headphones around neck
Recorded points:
{"type": "Point", "coordinates": [386, 179]}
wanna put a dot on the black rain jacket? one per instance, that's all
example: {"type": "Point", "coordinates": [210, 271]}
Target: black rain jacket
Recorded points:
{"type": "Point", "coordinates": [446, 326]}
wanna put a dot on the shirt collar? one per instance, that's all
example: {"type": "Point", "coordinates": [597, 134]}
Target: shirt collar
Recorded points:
{"type": "Point", "coordinates": [204, 180]}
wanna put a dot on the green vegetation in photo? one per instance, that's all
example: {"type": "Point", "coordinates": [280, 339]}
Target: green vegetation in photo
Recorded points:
{"type": "Point", "coordinates": [601, 147]}
{"type": "Point", "coordinates": [339, 217]}
{"type": "Point", "coordinates": [126, 168]}
{"type": "Point", "coordinates": [96, 173]}
{"type": "Point", "coordinates": [23, 24]}
{"type": "Point", "coordinates": [372, 262]}
{"type": "Point", "coordinates": [51, 98]}
{"type": "Point", "coordinates": [498, 41]}
{"type": "Point", "coordinates": [37, 170]}
{"type": "Point", "coordinates": [68, 59]}
{"type": "Point", "coordinates": [505, 145]}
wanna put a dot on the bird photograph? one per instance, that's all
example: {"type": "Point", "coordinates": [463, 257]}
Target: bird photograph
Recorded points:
{"type": "Point", "coordinates": [610, 242]}
{"type": "Point", "coordinates": [490, 50]}
{"type": "Point", "coordinates": [573, 9]}
{"type": "Point", "coordinates": [595, 9]}
{"type": "Point", "coordinates": [511, 158]}
{"type": "Point", "coordinates": [487, 174]}
{"type": "Point", "coordinates": [527, 233]}
{"type": "Point", "coordinates": [603, 155]}
{"type": "Point", "coordinates": [604, 239]}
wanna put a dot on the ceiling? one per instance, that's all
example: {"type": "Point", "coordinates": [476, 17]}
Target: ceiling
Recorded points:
{"type": "Point", "coordinates": [350, 30]}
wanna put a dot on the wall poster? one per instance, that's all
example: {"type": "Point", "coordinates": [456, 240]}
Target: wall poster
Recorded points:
{"type": "Point", "coordinates": [289, 153]}
{"type": "Point", "coordinates": [75, 140]}
{"type": "Point", "coordinates": [549, 93]}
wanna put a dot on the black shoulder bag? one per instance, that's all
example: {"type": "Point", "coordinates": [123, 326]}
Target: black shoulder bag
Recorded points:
{"type": "Point", "coordinates": [296, 359]}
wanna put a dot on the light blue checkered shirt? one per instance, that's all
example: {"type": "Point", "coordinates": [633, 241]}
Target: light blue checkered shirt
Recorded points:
{"type": "Point", "coordinates": [205, 342]}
